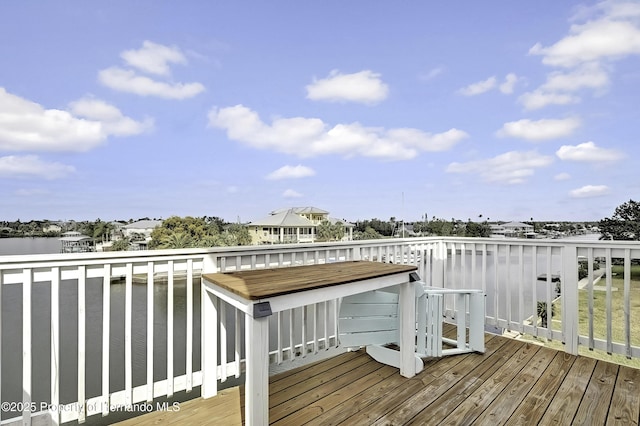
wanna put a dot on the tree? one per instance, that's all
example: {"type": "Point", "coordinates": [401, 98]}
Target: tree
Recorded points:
{"type": "Point", "coordinates": [624, 224]}
{"type": "Point", "coordinates": [121, 245]}
{"type": "Point", "coordinates": [474, 229]}
{"type": "Point", "coordinates": [187, 232]}
{"type": "Point", "coordinates": [327, 231]}
{"type": "Point", "coordinates": [368, 234]}
{"type": "Point", "coordinates": [323, 231]}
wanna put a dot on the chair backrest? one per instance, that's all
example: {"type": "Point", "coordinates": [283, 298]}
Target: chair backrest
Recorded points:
{"type": "Point", "coordinates": [369, 318]}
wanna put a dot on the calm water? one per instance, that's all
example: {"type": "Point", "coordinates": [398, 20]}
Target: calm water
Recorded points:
{"type": "Point", "coordinates": [11, 246]}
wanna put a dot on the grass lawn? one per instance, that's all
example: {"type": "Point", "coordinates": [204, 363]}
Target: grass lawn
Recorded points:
{"type": "Point", "coordinates": [600, 316]}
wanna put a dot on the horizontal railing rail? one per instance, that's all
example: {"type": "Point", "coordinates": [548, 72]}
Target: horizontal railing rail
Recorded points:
{"type": "Point", "coordinates": [85, 333]}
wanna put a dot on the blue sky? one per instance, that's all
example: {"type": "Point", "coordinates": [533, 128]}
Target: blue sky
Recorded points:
{"type": "Point", "coordinates": [367, 109]}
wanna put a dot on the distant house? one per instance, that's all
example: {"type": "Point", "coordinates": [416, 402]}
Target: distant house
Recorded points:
{"type": "Point", "coordinates": [75, 242]}
{"type": "Point", "coordinates": [512, 230]}
{"type": "Point", "coordinates": [142, 227]}
{"type": "Point", "coordinates": [52, 228]}
{"type": "Point", "coordinates": [293, 225]}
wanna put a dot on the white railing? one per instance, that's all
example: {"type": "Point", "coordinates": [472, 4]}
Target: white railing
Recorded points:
{"type": "Point", "coordinates": [128, 323]}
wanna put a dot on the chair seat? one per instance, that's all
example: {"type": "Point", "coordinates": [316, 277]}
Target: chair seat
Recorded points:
{"type": "Point", "coordinates": [371, 320]}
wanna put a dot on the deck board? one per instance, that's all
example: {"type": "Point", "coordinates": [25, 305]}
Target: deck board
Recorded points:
{"type": "Point", "coordinates": [625, 403]}
{"type": "Point", "coordinates": [512, 383]}
{"type": "Point", "coordinates": [535, 403]}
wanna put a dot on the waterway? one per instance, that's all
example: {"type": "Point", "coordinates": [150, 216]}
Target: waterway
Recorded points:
{"type": "Point", "coordinates": [20, 246]}
{"type": "Point", "coordinates": [12, 332]}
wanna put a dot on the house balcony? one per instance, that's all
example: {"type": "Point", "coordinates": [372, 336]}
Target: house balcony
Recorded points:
{"type": "Point", "coordinates": [97, 337]}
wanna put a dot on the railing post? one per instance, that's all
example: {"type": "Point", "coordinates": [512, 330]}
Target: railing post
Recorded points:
{"type": "Point", "coordinates": [355, 253]}
{"type": "Point", "coordinates": [437, 264]}
{"type": "Point", "coordinates": [209, 343]}
{"type": "Point", "coordinates": [569, 291]}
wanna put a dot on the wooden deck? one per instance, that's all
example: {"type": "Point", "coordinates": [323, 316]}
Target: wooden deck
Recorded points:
{"type": "Point", "coordinates": [513, 383]}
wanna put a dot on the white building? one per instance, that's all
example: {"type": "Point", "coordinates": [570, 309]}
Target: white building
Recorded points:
{"type": "Point", "coordinates": [143, 227]}
{"type": "Point", "coordinates": [512, 230]}
{"type": "Point", "coordinates": [293, 225]}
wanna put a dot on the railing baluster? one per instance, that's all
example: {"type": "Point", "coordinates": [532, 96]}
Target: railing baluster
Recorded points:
{"type": "Point", "coordinates": [627, 303]}
{"type": "Point", "coordinates": [170, 328]}
{"type": "Point", "coordinates": [609, 305]}
{"type": "Point", "coordinates": [106, 329]}
{"type": "Point", "coordinates": [326, 324]}
{"type": "Point", "coordinates": [521, 289]}
{"type": "Point", "coordinates": [304, 331]}
{"type": "Point", "coordinates": [238, 340]}
{"type": "Point", "coordinates": [189, 328]}
{"type": "Point", "coordinates": [534, 289]}
{"type": "Point", "coordinates": [316, 322]}
{"type": "Point", "coordinates": [82, 342]}
{"type": "Point", "coordinates": [223, 341]}
{"type": "Point", "coordinates": [150, 288]}
{"type": "Point", "coordinates": [292, 352]}
{"type": "Point", "coordinates": [590, 296]}
{"type": "Point", "coordinates": [496, 284]}
{"type": "Point", "coordinates": [279, 334]}
{"type": "Point", "coordinates": [508, 286]}
{"type": "Point", "coordinates": [55, 345]}
{"type": "Point", "coordinates": [27, 279]}
{"type": "Point", "coordinates": [548, 301]}
{"type": "Point", "coordinates": [128, 322]}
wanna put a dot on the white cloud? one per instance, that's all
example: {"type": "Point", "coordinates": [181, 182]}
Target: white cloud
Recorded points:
{"type": "Point", "coordinates": [506, 87]}
{"type": "Point", "coordinates": [154, 58]}
{"type": "Point", "coordinates": [431, 74]}
{"type": "Point", "coordinates": [14, 166]}
{"type": "Point", "coordinates": [128, 81]}
{"type": "Point", "coordinates": [588, 152]}
{"type": "Point", "coordinates": [601, 39]}
{"type": "Point", "coordinates": [511, 167]}
{"type": "Point", "coordinates": [590, 76]}
{"type": "Point", "coordinates": [562, 176]}
{"type": "Point", "coordinates": [113, 121]}
{"type": "Point", "coordinates": [539, 130]}
{"type": "Point", "coordinates": [27, 126]}
{"type": "Point", "coordinates": [291, 172]}
{"type": "Point", "coordinates": [364, 87]}
{"type": "Point", "coordinates": [539, 99]}
{"type": "Point", "coordinates": [589, 191]}
{"type": "Point", "coordinates": [610, 32]}
{"type": "Point", "coordinates": [290, 193]}
{"type": "Point", "coordinates": [509, 84]}
{"type": "Point", "coordinates": [479, 87]}
{"type": "Point", "coordinates": [310, 137]}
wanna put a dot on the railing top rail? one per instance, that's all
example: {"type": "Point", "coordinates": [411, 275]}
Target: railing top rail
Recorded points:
{"type": "Point", "coordinates": [10, 261]}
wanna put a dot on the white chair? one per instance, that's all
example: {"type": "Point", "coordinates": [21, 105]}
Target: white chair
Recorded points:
{"type": "Point", "coordinates": [371, 320]}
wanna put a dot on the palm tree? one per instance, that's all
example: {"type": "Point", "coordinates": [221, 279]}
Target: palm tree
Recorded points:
{"type": "Point", "coordinates": [176, 240]}
{"type": "Point", "coordinates": [542, 312]}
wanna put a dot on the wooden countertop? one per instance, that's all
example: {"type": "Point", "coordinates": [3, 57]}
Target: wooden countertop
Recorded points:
{"type": "Point", "coordinates": [263, 283]}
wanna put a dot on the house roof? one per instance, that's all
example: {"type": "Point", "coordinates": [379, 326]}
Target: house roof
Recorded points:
{"type": "Point", "coordinates": [75, 238]}
{"type": "Point", "coordinates": [143, 224]}
{"type": "Point", "coordinates": [301, 210]}
{"type": "Point", "coordinates": [333, 220]}
{"type": "Point", "coordinates": [517, 225]}
{"type": "Point", "coordinates": [283, 218]}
